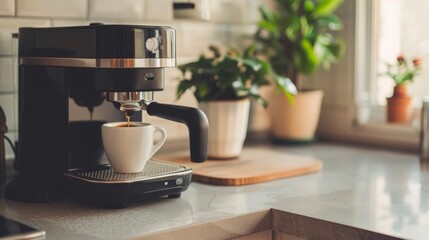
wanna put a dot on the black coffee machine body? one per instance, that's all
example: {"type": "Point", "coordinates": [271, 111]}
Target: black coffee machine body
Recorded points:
{"type": "Point", "coordinates": [90, 69]}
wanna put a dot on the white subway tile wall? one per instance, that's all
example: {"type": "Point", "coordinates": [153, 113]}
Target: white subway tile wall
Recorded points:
{"type": "Point", "coordinates": [7, 103]}
{"type": "Point", "coordinates": [197, 36]}
{"type": "Point", "coordinates": [13, 137]}
{"type": "Point", "coordinates": [7, 7]}
{"type": "Point", "coordinates": [49, 8]}
{"type": "Point", "coordinates": [10, 25]}
{"type": "Point", "coordinates": [124, 9]}
{"type": "Point", "coordinates": [225, 11]}
{"type": "Point", "coordinates": [159, 10]}
{"type": "Point", "coordinates": [232, 24]}
{"type": "Point", "coordinates": [6, 76]}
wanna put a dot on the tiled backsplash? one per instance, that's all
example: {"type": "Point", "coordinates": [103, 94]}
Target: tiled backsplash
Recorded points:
{"type": "Point", "coordinates": [52, 9]}
{"type": "Point", "coordinates": [133, 9]}
{"type": "Point", "coordinates": [7, 7]}
{"type": "Point", "coordinates": [232, 24]}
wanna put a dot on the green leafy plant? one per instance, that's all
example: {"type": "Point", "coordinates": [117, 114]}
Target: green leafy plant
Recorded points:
{"type": "Point", "coordinates": [403, 72]}
{"type": "Point", "coordinates": [231, 75]}
{"type": "Point", "coordinates": [297, 37]}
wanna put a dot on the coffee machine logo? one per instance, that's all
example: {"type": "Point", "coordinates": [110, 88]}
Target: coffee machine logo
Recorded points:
{"type": "Point", "coordinates": [149, 76]}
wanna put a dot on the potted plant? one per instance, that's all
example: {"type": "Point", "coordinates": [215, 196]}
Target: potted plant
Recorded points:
{"type": "Point", "coordinates": [223, 83]}
{"type": "Point", "coordinates": [399, 104]}
{"type": "Point", "coordinates": [297, 39]}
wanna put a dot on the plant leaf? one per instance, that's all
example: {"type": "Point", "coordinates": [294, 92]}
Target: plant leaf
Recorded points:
{"type": "Point", "coordinates": [326, 7]}
{"type": "Point", "coordinates": [260, 100]}
{"type": "Point", "coordinates": [233, 75]}
{"type": "Point", "coordinates": [285, 85]}
{"type": "Point", "coordinates": [408, 76]}
{"type": "Point", "coordinates": [271, 27]}
{"type": "Point", "coordinates": [253, 64]}
{"type": "Point", "coordinates": [332, 22]}
{"type": "Point", "coordinates": [266, 14]}
{"type": "Point", "coordinates": [250, 51]}
{"type": "Point", "coordinates": [309, 57]}
{"type": "Point", "coordinates": [308, 6]}
{"type": "Point", "coordinates": [292, 28]}
{"type": "Point", "coordinates": [337, 48]}
{"type": "Point", "coordinates": [304, 25]}
{"type": "Point", "coordinates": [182, 87]}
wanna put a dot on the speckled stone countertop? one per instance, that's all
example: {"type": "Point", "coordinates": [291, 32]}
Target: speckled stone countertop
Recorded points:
{"type": "Point", "coordinates": [376, 190]}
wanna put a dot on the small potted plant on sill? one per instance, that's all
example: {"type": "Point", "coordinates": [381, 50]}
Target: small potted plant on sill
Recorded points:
{"type": "Point", "coordinates": [297, 38]}
{"type": "Point", "coordinates": [399, 104]}
{"type": "Point", "coordinates": [223, 83]}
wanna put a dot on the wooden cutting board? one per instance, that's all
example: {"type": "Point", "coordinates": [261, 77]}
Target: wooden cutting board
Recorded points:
{"type": "Point", "coordinates": [255, 165]}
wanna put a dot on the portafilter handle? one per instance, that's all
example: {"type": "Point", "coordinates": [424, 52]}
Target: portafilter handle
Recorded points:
{"type": "Point", "coordinates": [195, 120]}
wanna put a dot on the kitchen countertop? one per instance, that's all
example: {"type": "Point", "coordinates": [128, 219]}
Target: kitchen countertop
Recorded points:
{"type": "Point", "coordinates": [376, 190]}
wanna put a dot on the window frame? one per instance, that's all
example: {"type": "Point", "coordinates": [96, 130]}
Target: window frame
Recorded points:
{"type": "Point", "coordinates": [366, 126]}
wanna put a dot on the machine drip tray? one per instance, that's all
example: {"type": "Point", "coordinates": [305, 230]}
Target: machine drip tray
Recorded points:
{"type": "Point", "coordinates": [103, 187]}
{"type": "Point", "coordinates": [105, 174]}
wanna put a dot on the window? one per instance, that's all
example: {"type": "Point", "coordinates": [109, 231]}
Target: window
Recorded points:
{"type": "Point", "coordinates": [402, 30]}
{"type": "Point", "coordinates": [392, 27]}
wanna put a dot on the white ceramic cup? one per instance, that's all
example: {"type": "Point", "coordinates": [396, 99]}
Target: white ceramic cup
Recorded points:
{"type": "Point", "coordinates": [129, 148]}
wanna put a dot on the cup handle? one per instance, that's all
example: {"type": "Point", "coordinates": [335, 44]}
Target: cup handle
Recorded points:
{"type": "Point", "coordinates": [156, 146]}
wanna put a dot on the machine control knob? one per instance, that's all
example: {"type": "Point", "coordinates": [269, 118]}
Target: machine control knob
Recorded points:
{"type": "Point", "coordinates": [179, 181]}
{"type": "Point", "coordinates": [152, 44]}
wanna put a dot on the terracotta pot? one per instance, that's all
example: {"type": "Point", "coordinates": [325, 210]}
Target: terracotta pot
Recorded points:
{"type": "Point", "coordinates": [399, 105]}
{"type": "Point", "coordinates": [227, 127]}
{"type": "Point", "coordinates": [295, 123]}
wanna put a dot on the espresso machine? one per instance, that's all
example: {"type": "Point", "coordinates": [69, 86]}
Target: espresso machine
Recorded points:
{"type": "Point", "coordinates": [109, 68]}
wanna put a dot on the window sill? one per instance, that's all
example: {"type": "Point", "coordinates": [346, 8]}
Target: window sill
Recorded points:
{"type": "Point", "coordinates": [371, 126]}
{"type": "Point", "coordinates": [394, 136]}
{"type": "Point", "coordinates": [350, 125]}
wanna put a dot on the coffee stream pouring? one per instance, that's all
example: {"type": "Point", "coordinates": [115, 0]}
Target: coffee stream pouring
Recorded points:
{"type": "Point", "coordinates": [125, 64]}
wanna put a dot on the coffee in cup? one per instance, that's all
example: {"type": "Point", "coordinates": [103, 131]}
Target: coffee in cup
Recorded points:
{"type": "Point", "coordinates": [128, 148]}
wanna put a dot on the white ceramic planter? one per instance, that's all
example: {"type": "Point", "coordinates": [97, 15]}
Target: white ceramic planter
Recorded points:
{"type": "Point", "coordinates": [227, 127]}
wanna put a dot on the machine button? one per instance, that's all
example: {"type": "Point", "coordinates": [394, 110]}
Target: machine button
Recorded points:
{"type": "Point", "coordinates": [152, 44]}
{"type": "Point", "coordinates": [179, 181]}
